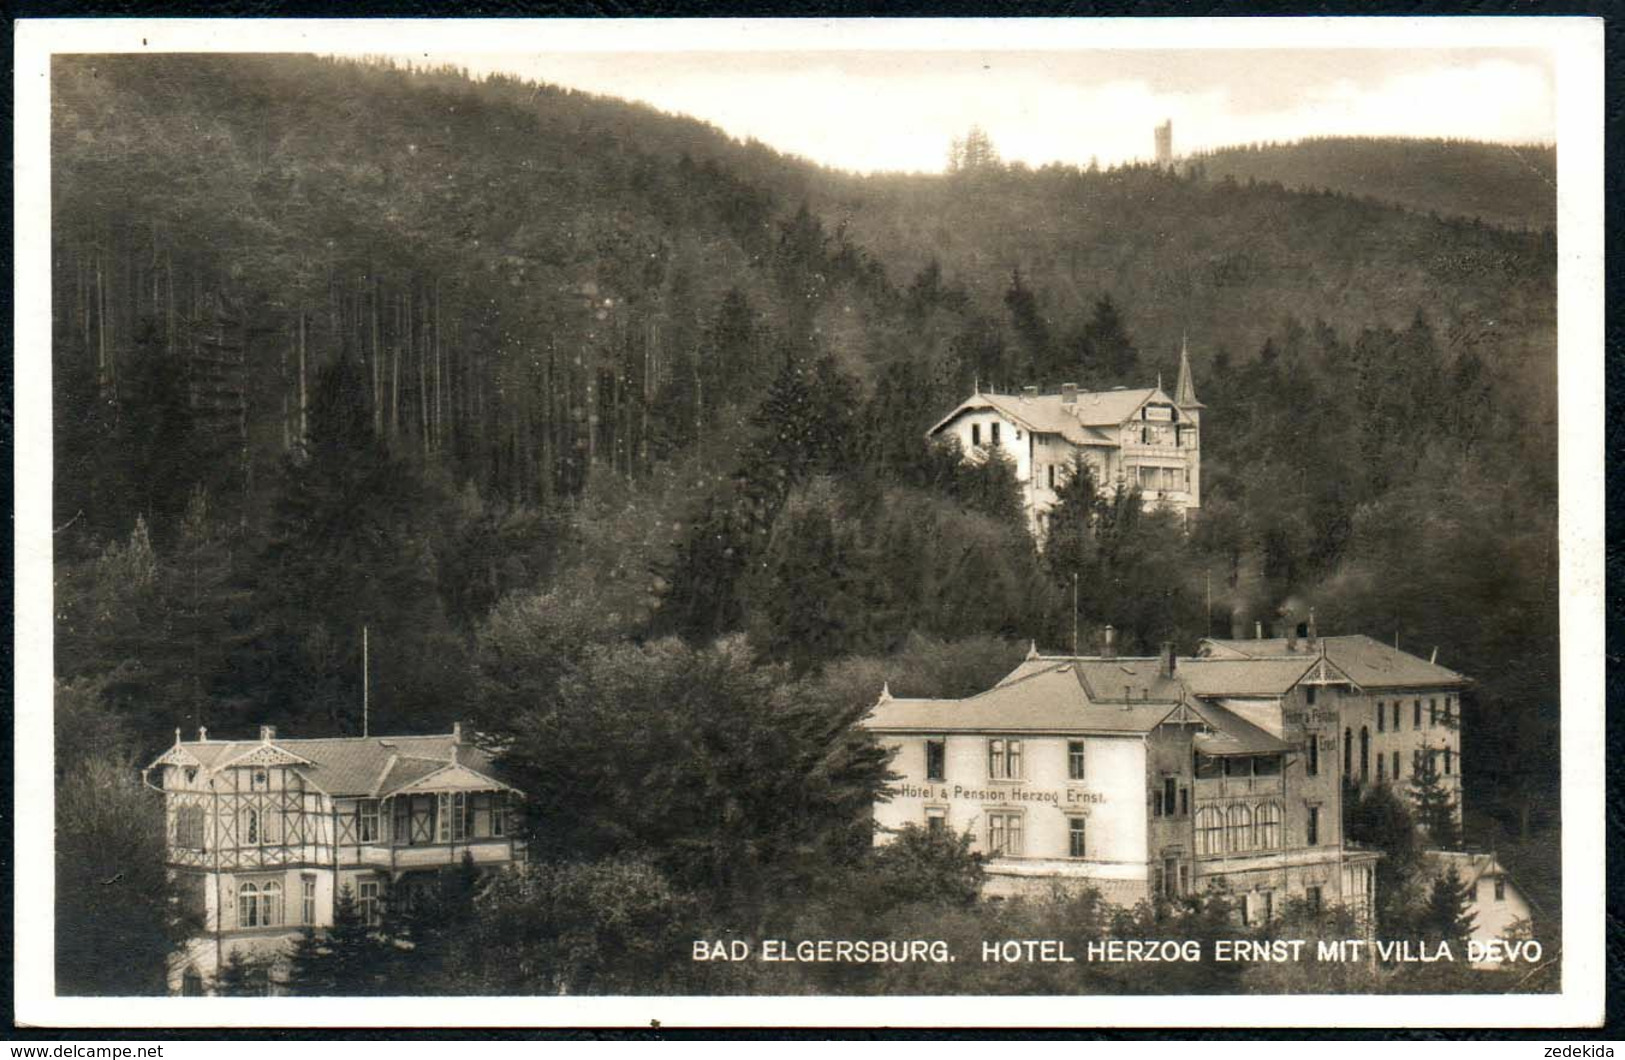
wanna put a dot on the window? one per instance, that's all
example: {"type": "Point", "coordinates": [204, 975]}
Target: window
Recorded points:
{"type": "Point", "coordinates": [1266, 902]}
{"type": "Point", "coordinates": [1382, 769]}
{"type": "Point", "coordinates": [1052, 476]}
{"type": "Point", "coordinates": [1238, 829]}
{"type": "Point", "coordinates": [1004, 759]}
{"type": "Point", "coordinates": [1238, 766]}
{"type": "Point", "coordinates": [1382, 716]}
{"type": "Point", "coordinates": [1312, 827]}
{"type": "Point", "coordinates": [1396, 765]}
{"type": "Point", "coordinates": [271, 904]}
{"type": "Point", "coordinates": [415, 819]}
{"type": "Point", "coordinates": [1145, 435]}
{"type": "Point", "coordinates": [191, 983]}
{"type": "Point", "coordinates": [976, 434]}
{"type": "Point", "coordinates": [499, 814]}
{"type": "Point", "coordinates": [189, 827]}
{"type": "Point", "coordinates": [1075, 762]}
{"type": "Point", "coordinates": [251, 827]}
{"type": "Point", "coordinates": [1076, 837]}
{"type": "Point", "coordinates": [366, 821]}
{"type": "Point", "coordinates": [995, 434]}
{"type": "Point", "coordinates": [1268, 820]}
{"type": "Point", "coordinates": [1267, 765]}
{"type": "Point", "coordinates": [1365, 753]}
{"type": "Point", "coordinates": [1433, 713]}
{"type": "Point", "coordinates": [455, 812]}
{"type": "Point", "coordinates": [1004, 834]}
{"type": "Point", "coordinates": [1169, 786]}
{"type": "Point", "coordinates": [1500, 889]}
{"type": "Point", "coordinates": [1184, 802]}
{"type": "Point", "coordinates": [1209, 831]}
{"type": "Point", "coordinates": [1396, 715]}
{"type": "Point", "coordinates": [1447, 757]}
{"type": "Point", "coordinates": [1311, 898]}
{"type": "Point", "coordinates": [1416, 714]}
{"type": "Point", "coordinates": [259, 905]}
{"type": "Point", "coordinates": [307, 899]}
{"type": "Point", "coordinates": [1348, 753]}
{"type": "Point", "coordinates": [1208, 767]}
{"type": "Point", "coordinates": [936, 819]}
{"type": "Point", "coordinates": [1312, 764]}
{"type": "Point", "coordinates": [367, 902]}
{"type": "Point", "coordinates": [1157, 808]}
{"type": "Point", "coordinates": [936, 759]}
{"type": "Point", "coordinates": [1309, 694]}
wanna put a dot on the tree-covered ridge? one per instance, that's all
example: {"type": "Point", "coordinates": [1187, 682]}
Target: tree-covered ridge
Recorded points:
{"type": "Point", "coordinates": [1511, 185]}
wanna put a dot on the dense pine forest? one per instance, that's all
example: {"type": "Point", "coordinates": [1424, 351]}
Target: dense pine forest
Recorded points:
{"type": "Point", "coordinates": [591, 414]}
{"type": "Point", "coordinates": [1512, 185]}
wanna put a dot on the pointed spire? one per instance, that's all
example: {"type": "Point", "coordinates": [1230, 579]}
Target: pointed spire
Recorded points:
{"type": "Point", "coordinates": [1185, 392]}
{"type": "Point", "coordinates": [1032, 650]}
{"type": "Point", "coordinates": [177, 736]}
{"type": "Point", "coordinates": [885, 691]}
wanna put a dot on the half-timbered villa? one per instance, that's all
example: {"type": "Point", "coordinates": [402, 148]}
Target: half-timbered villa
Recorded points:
{"type": "Point", "coordinates": [265, 834]}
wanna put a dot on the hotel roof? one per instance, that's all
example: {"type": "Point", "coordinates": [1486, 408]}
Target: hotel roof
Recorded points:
{"type": "Point", "coordinates": [1367, 662]}
{"type": "Point", "coordinates": [1047, 698]}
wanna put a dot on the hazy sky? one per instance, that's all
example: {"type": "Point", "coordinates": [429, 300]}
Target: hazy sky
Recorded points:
{"type": "Point", "coordinates": [873, 110]}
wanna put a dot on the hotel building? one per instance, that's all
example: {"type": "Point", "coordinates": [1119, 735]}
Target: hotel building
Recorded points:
{"type": "Point", "coordinates": [1148, 776]}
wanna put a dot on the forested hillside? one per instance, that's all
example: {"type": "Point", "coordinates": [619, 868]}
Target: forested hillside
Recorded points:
{"type": "Point", "coordinates": [566, 401]}
{"type": "Point", "coordinates": [1513, 185]}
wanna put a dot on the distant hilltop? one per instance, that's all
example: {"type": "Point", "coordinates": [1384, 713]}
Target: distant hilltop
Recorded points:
{"type": "Point", "coordinates": [1510, 185]}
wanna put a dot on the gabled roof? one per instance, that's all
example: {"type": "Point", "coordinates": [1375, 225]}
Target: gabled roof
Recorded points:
{"type": "Point", "coordinates": [346, 766]}
{"type": "Point", "coordinates": [1045, 698]}
{"type": "Point", "coordinates": [1231, 734]}
{"type": "Point", "coordinates": [1080, 422]}
{"type": "Point", "coordinates": [1367, 662]}
{"type": "Point", "coordinates": [1242, 677]}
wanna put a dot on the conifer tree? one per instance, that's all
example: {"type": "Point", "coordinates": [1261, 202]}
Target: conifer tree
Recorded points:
{"type": "Point", "coordinates": [1448, 914]}
{"type": "Point", "coordinates": [1435, 805]}
{"type": "Point", "coordinates": [243, 976]}
{"type": "Point", "coordinates": [348, 959]}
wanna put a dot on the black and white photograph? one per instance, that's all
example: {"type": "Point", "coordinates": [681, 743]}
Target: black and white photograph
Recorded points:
{"type": "Point", "coordinates": [764, 518]}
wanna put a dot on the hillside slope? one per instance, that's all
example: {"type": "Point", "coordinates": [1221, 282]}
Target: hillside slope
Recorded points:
{"type": "Point", "coordinates": [1512, 185]}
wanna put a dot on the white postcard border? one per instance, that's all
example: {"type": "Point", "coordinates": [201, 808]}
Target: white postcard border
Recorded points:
{"type": "Point", "coordinates": [1577, 48]}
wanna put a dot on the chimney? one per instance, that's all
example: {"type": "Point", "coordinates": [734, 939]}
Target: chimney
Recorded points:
{"type": "Point", "coordinates": [1258, 629]}
{"type": "Point", "coordinates": [1168, 661]}
{"type": "Point", "coordinates": [202, 734]}
{"type": "Point", "coordinates": [1291, 634]}
{"type": "Point", "coordinates": [267, 733]}
{"type": "Point", "coordinates": [1028, 393]}
{"type": "Point", "coordinates": [1309, 644]}
{"type": "Point", "coordinates": [1069, 393]}
{"type": "Point", "coordinates": [1108, 643]}
{"type": "Point", "coordinates": [456, 732]}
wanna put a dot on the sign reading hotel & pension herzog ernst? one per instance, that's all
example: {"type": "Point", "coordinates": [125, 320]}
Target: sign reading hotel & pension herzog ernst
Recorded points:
{"type": "Point", "coordinates": [1069, 797]}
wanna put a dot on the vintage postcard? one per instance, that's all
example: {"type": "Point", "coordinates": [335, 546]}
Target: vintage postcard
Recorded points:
{"type": "Point", "coordinates": [744, 522]}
